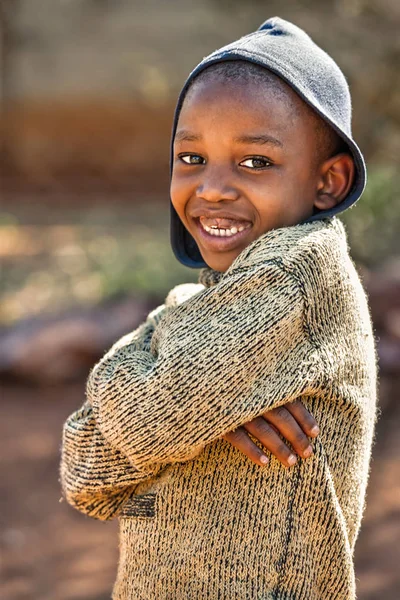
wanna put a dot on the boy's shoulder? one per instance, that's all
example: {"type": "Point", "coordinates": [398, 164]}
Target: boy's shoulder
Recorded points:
{"type": "Point", "coordinates": [181, 293]}
{"type": "Point", "coordinates": [319, 246]}
{"type": "Point", "coordinates": [319, 243]}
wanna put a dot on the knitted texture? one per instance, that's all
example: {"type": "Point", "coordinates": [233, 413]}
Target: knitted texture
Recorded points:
{"type": "Point", "coordinates": [198, 519]}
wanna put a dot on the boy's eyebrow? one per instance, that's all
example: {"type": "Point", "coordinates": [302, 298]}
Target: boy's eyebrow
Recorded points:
{"type": "Point", "coordinates": [187, 136]}
{"type": "Point", "coordinates": [261, 138]}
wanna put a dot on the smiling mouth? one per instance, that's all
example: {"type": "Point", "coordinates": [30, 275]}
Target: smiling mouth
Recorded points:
{"type": "Point", "coordinates": [223, 227]}
{"type": "Point", "coordinates": [222, 234]}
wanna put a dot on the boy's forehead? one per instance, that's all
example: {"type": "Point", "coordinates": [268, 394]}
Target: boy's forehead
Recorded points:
{"type": "Point", "coordinates": [264, 82]}
{"type": "Point", "coordinates": [258, 99]}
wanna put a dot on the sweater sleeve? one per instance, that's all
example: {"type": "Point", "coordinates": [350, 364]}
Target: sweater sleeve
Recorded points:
{"type": "Point", "coordinates": [218, 360]}
{"type": "Point", "coordinates": [95, 477]}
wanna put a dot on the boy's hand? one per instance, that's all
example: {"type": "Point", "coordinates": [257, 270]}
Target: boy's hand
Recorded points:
{"type": "Point", "coordinates": [292, 421]}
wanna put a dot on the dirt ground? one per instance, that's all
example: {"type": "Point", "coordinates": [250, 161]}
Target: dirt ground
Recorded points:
{"type": "Point", "coordinates": [51, 552]}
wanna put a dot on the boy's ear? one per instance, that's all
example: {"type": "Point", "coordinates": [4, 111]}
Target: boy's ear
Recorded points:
{"type": "Point", "coordinates": [336, 177]}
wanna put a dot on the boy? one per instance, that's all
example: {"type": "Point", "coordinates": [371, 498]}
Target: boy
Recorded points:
{"type": "Point", "coordinates": [262, 160]}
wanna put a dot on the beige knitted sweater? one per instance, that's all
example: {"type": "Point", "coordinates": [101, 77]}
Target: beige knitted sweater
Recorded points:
{"type": "Point", "coordinates": [198, 519]}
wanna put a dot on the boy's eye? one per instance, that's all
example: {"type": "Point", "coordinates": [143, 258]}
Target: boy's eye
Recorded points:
{"type": "Point", "coordinates": [257, 162]}
{"type": "Point", "coordinates": [192, 159]}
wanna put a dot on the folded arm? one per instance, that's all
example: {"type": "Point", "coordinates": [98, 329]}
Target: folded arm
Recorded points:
{"type": "Point", "coordinates": [97, 478]}
{"type": "Point", "coordinates": [217, 361]}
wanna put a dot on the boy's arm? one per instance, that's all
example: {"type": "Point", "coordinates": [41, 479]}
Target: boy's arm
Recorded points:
{"type": "Point", "coordinates": [96, 478]}
{"type": "Point", "coordinates": [217, 361]}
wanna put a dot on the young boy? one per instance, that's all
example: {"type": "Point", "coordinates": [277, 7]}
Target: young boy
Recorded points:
{"type": "Point", "coordinates": [262, 161]}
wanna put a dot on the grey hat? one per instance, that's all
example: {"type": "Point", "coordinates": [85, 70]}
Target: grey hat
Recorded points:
{"type": "Point", "coordinates": [290, 53]}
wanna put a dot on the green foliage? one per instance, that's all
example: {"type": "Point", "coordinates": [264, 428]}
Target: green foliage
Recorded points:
{"type": "Point", "coordinates": [373, 223]}
{"type": "Point", "coordinates": [138, 260]}
{"type": "Point", "coordinates": [84, 257]}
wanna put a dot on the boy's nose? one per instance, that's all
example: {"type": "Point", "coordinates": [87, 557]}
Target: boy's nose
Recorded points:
{"type": "Point", "coordinates": [216, 187]}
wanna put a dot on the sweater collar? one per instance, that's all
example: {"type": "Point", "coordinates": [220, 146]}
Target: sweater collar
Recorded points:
{"type": "Point", "coordinates": [209, 277]}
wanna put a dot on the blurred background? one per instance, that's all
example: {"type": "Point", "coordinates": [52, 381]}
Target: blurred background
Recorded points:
{"type": "Point", "coordinates": [87, 92]}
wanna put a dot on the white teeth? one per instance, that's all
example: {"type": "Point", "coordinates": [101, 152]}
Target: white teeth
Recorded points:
{"type": "Point", "coordinates": [223, 232]}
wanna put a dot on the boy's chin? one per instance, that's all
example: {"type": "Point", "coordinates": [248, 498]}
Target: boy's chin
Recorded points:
{"type": "Point", "coordinates": [220, 262]}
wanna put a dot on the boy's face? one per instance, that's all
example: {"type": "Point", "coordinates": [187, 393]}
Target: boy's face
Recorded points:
{"type": "Point", "coordinates": [244, 163]}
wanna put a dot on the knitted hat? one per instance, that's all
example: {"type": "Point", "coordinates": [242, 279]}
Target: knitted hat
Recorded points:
{"type": "Point", "coordinates": [289, 52]}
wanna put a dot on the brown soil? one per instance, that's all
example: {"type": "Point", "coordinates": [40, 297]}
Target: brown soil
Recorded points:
{"type": "Point", "coordinates": [51, 552]}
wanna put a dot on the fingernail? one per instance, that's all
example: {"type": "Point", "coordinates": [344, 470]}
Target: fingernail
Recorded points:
{"type": "Point", "coordinates": [315, 430]}
{"type": "Point", "coordinates": [292, 460]}
{"type": "Point", "coordinates": [307, 452]}
{"type": "Point", "coordinates": [263, 459]}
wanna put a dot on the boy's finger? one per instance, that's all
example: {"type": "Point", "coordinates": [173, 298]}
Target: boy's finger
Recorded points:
{"type": "Point", "coordinates": [303, 417]}
{"type": "Point", "coordinates": [288, 427]}
{"type": "Point", "coordinates": [267, 435]}
{"type": "Point", "coordinates": [241, 440]}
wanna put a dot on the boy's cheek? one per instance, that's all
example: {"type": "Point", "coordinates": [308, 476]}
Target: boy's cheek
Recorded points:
{"type": "Point", "coordinates": [180, 193]}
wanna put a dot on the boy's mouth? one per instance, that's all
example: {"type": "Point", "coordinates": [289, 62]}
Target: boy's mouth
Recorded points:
{"type": "Point", "coordinates": [223, 227]}
{"type": "Point", "coordinates": [222, 234]}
